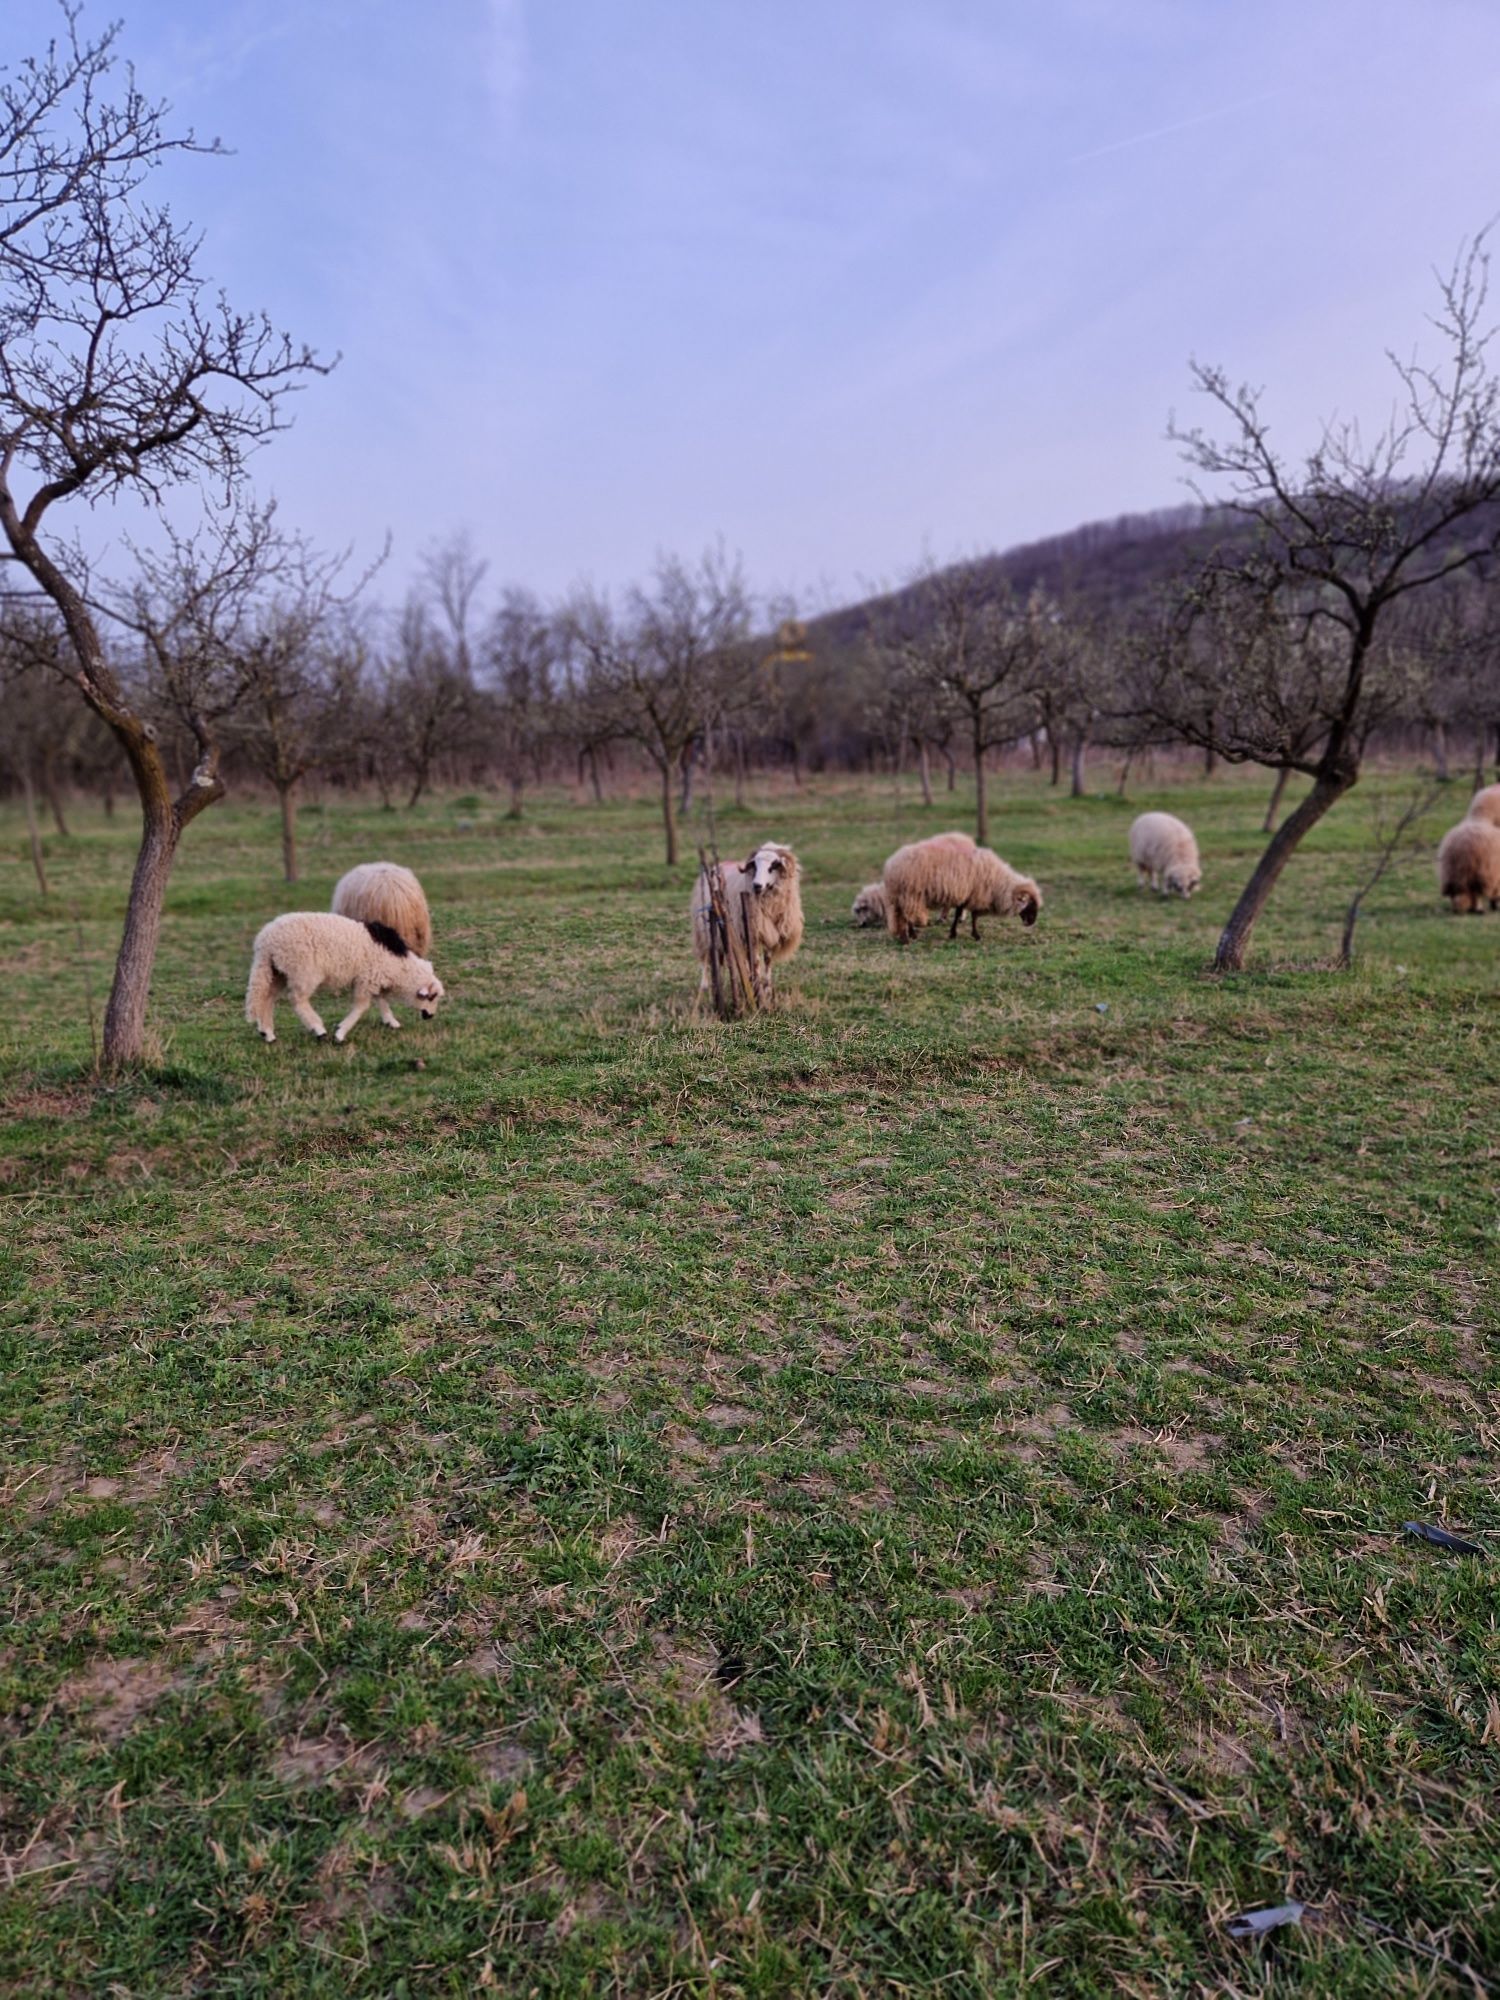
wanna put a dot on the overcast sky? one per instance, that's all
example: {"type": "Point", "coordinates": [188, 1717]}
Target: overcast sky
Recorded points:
{"type": "Point", "coordinates": [841, 281]}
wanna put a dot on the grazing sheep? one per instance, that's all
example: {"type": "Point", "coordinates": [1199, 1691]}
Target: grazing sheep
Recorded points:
{"type": "Point", "coordinates": [869, 907]}
{"type": "Point", "coordinates": [297, 954]}
{"type": "Point", "coordinates": [1485, 805]}
{"type": "Point", "coordinates": [767, 882]}
{"type": "Point", "coordinates": [1165, 854]}
{"type": "Point", "coordinates": [1468, 866]}
{"type": "Point", "coordinates": [947, 871]}
{"type": "Point", "coordinates": [381, 892]}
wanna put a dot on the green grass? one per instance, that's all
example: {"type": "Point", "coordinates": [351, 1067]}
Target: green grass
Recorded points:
{"type": "Point", "coordinates": [899, 1496]}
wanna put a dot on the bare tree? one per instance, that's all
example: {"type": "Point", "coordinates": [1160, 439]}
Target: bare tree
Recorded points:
{"type": "Point", "coordinates": [298, 665]}
{"type": "Point", "coordinates": [120, 374]}
{"type": "Point", "coordinates": [520, 655]}
{"type": "Point", "coordinates": [648, 671]}
{"type": "Point", "coordinates": [1280, 657]}
{"type": "Point", "coordinates": [428, 710]}
{"type": "Point", "coordinates": [967, 639]}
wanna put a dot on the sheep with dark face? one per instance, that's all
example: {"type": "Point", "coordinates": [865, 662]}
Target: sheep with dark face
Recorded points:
{"type": "Point", "coordinates": [1468, 866]}
{"type": "Point", "coordinates": [948, 872]}
{"type": "Point", "coordinates": [298, 953]}
{"type": "Point", "coordinates": [1165, 854]}
{"type": "Point", "coordinates": [762, 893]}
{"type": "Point", "coordinates": [383, 892]}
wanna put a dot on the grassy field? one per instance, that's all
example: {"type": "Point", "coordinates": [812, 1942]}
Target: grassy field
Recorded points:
{"type": "Point", "coordinates": [902, 1496]}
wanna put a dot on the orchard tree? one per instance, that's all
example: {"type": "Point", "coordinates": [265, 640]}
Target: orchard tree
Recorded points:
{"type": "Point", "coordinates": [1282, 653]}
{"type": "Point", "coordinates": [650, 672]}
{"type": "Point", "coordinates": [122, 374]}
{"type": "Point", "coordinates": [520, 662]}
{"type": "Point", "coordinates": [967, 640]}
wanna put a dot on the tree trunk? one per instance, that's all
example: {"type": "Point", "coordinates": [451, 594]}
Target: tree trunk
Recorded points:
{"type": "Point", "coordinates": [54, 797]}
{"type": "Point", "coordinates": [125, 1016]}
{"type": "Point", "coordinates": [1034, 744]}
{"type": "Point", "coordinates": [1080, 758]}
{"type": "Point", "coordinates": [163, 821]}
{"type": "Point", "coordinates": [739, 767]}
{"type": "Point", "coordinates": [981, 797]}
{"type": "Point", "coordinates": [668, 817]}
{"type": "Point", "coordinates": [1235, 940]}
{"type": "Point", "coordinates": [1276, 791]}
{"type": "Point", "coordinates": [1055, 746]}
{"type": "Point", "coordinates": [287, 792]}
{"type": "Point", "coordinates": [952, 763]}
{"type": "Point", "coordinates": [1440, 751]}
{"type": "Point", "coordinates": [685, 764]}
{"type": "Point", "coordinates": [924, 770]}
{"type": "Point", "coordinates": [1124, 774]}
{"type": "Point", "coordinates": [517, 783]}
{"type": "Point", "coordinates": [1210, 762]}
{"type": "Point", "coordinates": [33, 833]}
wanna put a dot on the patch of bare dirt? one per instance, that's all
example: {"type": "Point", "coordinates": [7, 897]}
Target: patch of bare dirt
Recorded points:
{"type": "Point", "coordinates": [323, 1760]}
{"type": "Point", "coordinates": [42, 1101]}
{"type": "Point", "coordinates": [112, 1695]}
{"type": "Point", "coordinates": [693, 1671]}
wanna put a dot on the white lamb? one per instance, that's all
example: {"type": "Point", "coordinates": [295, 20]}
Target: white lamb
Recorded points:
{"type": "Point", "coordinates": [297, 954]}
{"type": "Point", "coordinates": [763, 892]}
{"type": "Point", "coordinates": [1165, 854]}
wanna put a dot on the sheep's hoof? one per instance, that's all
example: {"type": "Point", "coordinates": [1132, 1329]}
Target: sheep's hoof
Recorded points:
{"type": "Point", "coordinates": [393, 1024]}
{"type": "Point", "coordinates": [321, 1035]}
{"type": "Point", "coordinates": [266, 1037]}
{"type": "Point", "coordinates": [338, 1036]}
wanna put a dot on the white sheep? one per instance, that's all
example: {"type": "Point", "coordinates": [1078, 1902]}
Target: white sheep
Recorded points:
{"type": "Point", "coordinates": [1165, 854]}
{"type": "Point", "coordinates": [1468, 866]}
{"type": "Point", "coordinates": [1485, 805]}
{"type": "Point", "coordinates": [382, 892]}
{"type": "Point", "coordinates": [764, 891]}
{"type": "Point", "coordinates": [298, 953]}
{"type": "Point", "coordinates": [869, 907]}
{"type": "Point", "coordinates": [947, 871]}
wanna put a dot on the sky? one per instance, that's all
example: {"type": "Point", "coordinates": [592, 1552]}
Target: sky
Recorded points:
{"type": "Point", "coordinates": [846, 284]}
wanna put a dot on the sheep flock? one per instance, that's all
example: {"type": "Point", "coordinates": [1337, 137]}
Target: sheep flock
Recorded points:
{"type": "Point", "coordinates": [375, 941]}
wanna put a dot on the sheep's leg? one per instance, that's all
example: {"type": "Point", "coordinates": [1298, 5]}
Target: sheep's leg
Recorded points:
{"type": "Point", "coordinates": [385, 1013]}
{"type": "Point", "coordinates": [361, 1003]}
{"type": "Point", "coordinates": [307, 1014]}
{"type": "Point", "coordinates": [974, 923]}
{"type": "Point", "coordinates": [957, 915]}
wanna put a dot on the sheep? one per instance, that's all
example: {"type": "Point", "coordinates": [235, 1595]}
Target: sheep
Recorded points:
{"type": "Point", "coordinates": [1468, 866]}
{"type": "Point", "coordinates": [766, 888]}
{"type": "Point", "coordinates": [382, 892]}
{"type": "Point", "coordinates": [1165, 854]}
{"type": "Point", "coordinates": [869, 907]}
{"type": "Point", "coordinates": [297, 954]}
{"type": "Point", "coordinates": [1485, 805]}
{"type": "Point", "coordinates": [947, 871]}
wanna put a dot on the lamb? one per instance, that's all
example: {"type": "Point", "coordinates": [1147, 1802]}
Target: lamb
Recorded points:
{"type": "Point", "coordinates": [1468, 866]}
{"type": "Point", "coordinates": [1485, 805]}
{"type": "Point", "coordinates": [947, 871]}
{"type": "Point", "coordinates": [1165, 854]}
{"type": "Point", "coordinates": [768, 884]}
{"type": "Point", "coordinates": [297, 954]}
{"type": "Point", "coordinates": [869, 907]}
{"type": "Point", "coordinates": [382, 892]}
